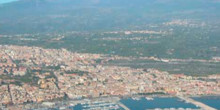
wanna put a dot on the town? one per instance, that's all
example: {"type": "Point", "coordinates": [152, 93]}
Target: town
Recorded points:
{"type": "Point", "coordinates": [34, 74]}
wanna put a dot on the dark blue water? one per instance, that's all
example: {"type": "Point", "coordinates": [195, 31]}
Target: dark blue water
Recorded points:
{"type": "Point", "coordinates": [77, 107]}
{"type": "Point", "coordinates": [168, 102]}
{"type": "Point", "coordinates": [212, 101]}
{"type": "Point", "coordinates": [143, 104]}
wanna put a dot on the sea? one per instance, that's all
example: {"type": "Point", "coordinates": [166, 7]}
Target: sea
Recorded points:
{"type": "Point", "coordinates": [163, 103]}
{"type": "Point", "coordinates": [157, 102]}
{"type": "Point", "coordinates": [212, 101]}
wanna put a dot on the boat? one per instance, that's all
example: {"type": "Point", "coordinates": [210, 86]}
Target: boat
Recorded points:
{"type": "Point", "coordinates": [136, 98]}
{"type": "Point", "coordinates": [149, 98]}
{"type": "Point", "coordinates": [62, 108]}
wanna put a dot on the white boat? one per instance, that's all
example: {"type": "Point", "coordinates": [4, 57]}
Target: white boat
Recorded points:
{"type": "Point", "coordinates": [149, 98]}
{"type": "Point", "coordinates": [62, 108]}
{"type": "Point", "coordinates": [136, 98]}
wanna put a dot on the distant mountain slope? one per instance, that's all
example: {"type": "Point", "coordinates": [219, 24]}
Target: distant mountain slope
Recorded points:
{"type": "Point", "coordinates": [34, 16]}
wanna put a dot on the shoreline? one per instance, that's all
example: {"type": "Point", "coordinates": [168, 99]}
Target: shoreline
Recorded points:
{"type": "Point", "coordinates": [67, 102]}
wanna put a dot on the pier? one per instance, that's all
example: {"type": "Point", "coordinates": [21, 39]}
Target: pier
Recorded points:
{"type": "Point", "coordinates": [197, 103]}
{"type": "Point", "coordinates": [123, 106]}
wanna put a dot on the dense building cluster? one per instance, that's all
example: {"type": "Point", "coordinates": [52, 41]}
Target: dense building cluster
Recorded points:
{"type": "Point", "coordinates": [32, 74]}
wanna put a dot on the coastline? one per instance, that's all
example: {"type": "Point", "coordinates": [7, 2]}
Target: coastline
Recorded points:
{"type": "Point", "coordinates": [73, 102]}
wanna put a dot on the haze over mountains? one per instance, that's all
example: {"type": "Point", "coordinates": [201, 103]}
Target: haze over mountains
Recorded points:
{"type": "Point", "coordinates": [34, 16]}
{"type": "Point", "coordinates": [187, 28]}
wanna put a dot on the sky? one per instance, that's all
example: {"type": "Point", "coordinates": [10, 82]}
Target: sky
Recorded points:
{"type": "Point", "coordinates": [6, 1]}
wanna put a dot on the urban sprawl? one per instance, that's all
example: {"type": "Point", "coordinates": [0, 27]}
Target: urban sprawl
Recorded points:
{"type": "Point", "coordinates": [33, 74]}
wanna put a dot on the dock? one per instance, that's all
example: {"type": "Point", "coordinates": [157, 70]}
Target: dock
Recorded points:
{"type": "Point", "coordinates": [197, 103]}
{"type": "Point", "coordinates": [123, 106]}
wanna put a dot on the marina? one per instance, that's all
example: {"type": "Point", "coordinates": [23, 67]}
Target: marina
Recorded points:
{"type": "Point", "coordinates": [158, 103]}
{"type": "Point", "coordinates": [131, 103]}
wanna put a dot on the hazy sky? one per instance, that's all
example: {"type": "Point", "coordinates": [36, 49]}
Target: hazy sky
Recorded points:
{"type": "Point", "coordinates": [6, 1]}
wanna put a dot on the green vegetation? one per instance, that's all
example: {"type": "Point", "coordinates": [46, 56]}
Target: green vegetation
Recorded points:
{"type": "Point", "coordinates": [184, 43]}
{"type": "Point", "coordinates": [188, 68]}
{"type": "Point", "coordinates": [78, 72]}
{"type": "Point", "coordinates": [80, 26]}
